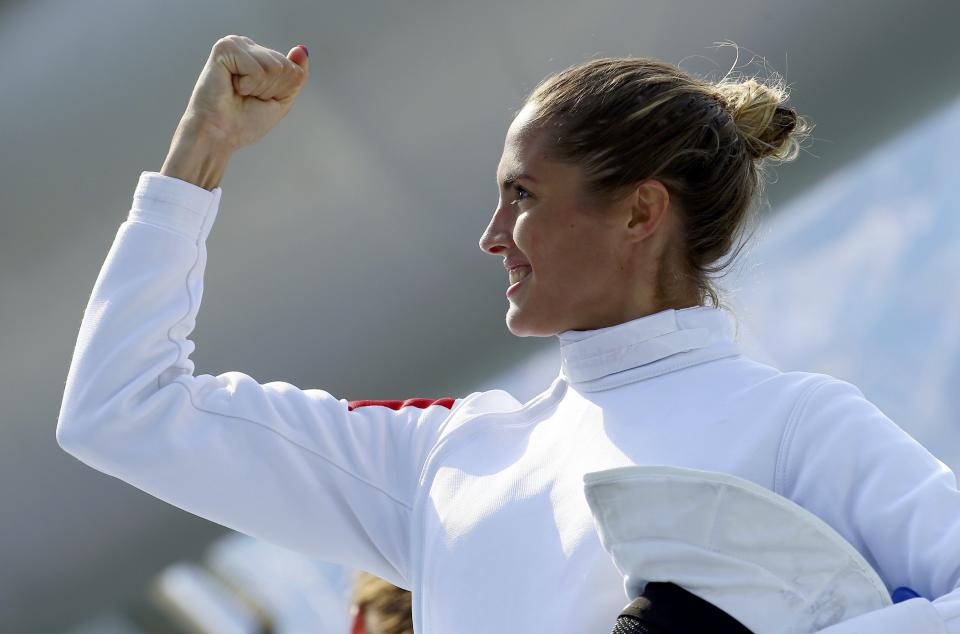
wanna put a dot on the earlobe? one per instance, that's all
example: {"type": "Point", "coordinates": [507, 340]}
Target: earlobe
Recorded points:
{"type": "Point", "coordinates": [649, 203]}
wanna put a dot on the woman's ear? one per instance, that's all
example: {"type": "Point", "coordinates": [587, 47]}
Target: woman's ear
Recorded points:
{"type": "Point", "coordinates": [648, 203]}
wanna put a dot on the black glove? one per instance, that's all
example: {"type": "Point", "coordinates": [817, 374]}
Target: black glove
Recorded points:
{"type": "Point", "coordinates": [666, 608]}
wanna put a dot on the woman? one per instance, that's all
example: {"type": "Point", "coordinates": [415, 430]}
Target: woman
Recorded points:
{"type": "Point", "coordinates": [379, 607]}
{"type": "Point", "coordinates": [623, 184]}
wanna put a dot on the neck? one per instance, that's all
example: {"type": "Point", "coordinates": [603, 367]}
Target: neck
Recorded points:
{"type": "Point", "coordinates": [660, 288]}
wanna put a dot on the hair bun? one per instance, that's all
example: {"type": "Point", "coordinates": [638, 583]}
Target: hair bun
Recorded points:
{"type": "Point", "coordinates": [767, 127]}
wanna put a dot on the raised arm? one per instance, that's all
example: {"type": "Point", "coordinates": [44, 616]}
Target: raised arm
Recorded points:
{"type": "Point", "coordinates": [888, 496]}
{"type": "Point", "coordinates": [296, 467]}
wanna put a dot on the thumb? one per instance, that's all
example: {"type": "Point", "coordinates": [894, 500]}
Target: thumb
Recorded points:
{"type": "Point", "coordinates": [300, 56]}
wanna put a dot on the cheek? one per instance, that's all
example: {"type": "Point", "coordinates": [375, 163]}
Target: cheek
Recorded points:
{"type": "Point", "coordinates": [565, 244]}
{"type": "Point", "coordinates": [561, 254]}
{"type": "Point", "coordinates": [526, 235]}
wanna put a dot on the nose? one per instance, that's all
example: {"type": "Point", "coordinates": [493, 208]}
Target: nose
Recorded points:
{"type": "Point", "coordinates": [498, 236]}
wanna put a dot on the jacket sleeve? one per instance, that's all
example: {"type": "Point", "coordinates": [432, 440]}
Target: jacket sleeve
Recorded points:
{"type": "Point", "coordinates": [298, 468]}
{"type": "Point", "coordinates": [845, 461]}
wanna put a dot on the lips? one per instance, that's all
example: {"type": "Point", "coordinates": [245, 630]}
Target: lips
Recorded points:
{"type": "Point", "coordinates": [518, 269]}
{"type": "Point", "coordinates": [518, 273]}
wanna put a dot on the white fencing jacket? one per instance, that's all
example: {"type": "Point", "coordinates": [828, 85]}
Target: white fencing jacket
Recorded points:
{"type": "Point", "coordinates": [477, 503]}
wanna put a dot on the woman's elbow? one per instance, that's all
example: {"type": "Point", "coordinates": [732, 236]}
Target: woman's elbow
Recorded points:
{"type": "Point", "coordinates": [73, 434]}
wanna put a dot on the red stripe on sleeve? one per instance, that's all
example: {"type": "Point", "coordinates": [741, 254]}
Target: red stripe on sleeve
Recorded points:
{"type": "Point", "coordinates": [422, 403]}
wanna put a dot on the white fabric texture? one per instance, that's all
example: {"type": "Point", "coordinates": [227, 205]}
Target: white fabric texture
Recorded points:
{"type": "Point", "coordinates": [762, 559]}
{"type": "Point", "coordinates": [480, 509]}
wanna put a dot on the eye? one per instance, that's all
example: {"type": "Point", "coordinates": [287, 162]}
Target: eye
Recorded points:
{"type": "Point", "coordinates": [522, 194]}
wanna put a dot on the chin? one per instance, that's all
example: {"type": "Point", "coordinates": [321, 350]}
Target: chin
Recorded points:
{"type": "Point", "coordinates": [525, 325]}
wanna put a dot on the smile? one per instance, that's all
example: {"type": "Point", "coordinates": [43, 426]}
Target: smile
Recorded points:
{"type": "Point", "coordinates": [517, 276]}
{"type": "Point", "coordinates": [518, 273]}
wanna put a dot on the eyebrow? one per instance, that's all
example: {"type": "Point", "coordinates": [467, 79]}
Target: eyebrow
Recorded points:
{"type": "Point", "coordinates": [513, 177]}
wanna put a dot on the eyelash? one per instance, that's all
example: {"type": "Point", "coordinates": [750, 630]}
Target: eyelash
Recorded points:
{"type": "Point", "coordinates": [520, 191]}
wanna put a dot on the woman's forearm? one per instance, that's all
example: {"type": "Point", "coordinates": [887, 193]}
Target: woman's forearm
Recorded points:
{"type": "Point", "coordinates": [197, 155]}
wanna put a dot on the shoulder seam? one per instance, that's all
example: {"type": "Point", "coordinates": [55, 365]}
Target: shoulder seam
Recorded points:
{"type": "Point", "coordinates": [789, 432]}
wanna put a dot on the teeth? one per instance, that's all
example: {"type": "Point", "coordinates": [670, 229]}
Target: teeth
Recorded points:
{"type": "Point", "coordinates": [518, 274]}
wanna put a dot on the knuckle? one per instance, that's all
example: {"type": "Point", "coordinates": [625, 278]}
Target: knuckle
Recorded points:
{"type": "Point", "coordinates": [224, 43]}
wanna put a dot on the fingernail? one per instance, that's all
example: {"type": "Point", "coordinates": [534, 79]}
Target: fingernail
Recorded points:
{"type": "Point", "coordinates": [304, 49]}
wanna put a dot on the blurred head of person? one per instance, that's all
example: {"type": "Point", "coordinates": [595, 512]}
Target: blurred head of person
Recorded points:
{"type": "Point", "coordinates": [379, 607]}
{"type": "Point", "coordinates": [625, 185]}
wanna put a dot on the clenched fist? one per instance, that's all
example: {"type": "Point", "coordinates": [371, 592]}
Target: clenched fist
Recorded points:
{"type": "Point", "coordinates": [243, 91]}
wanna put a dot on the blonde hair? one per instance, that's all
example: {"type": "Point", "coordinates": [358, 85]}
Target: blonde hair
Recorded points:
{"type": "Point", "coordinates": [387, 609]}
{"type": "Point", "coordinates": [624, 120]}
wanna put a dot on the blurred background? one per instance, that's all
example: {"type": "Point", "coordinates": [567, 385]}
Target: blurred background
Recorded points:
{"type": "Point", "coordinates": [345, 255]}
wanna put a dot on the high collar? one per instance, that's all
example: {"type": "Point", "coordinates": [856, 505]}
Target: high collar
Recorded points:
{"type": "Point", "coordinates": [641, 348]}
